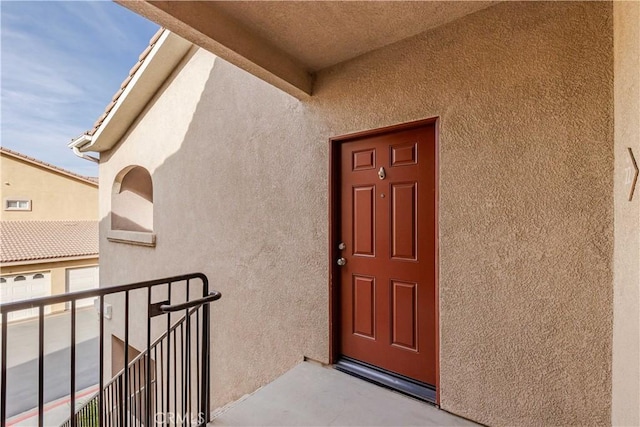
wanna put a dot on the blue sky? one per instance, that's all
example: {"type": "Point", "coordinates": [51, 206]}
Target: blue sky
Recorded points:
{"type": "Point", "coordinates": [61, 62]}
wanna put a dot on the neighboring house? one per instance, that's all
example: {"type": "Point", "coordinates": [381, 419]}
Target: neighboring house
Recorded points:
{"type": "Point", "coordinates": [437, 190]}
{"type": "Point", "coordinates": [32, 190]}
{"type": "Point", "coordinates": [48, 231]}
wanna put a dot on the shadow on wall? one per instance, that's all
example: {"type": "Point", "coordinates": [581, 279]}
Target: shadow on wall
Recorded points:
{"type": "Point", "coordinates": [244, 201]}
{"type": "Point", "coordinates": [242, 209]}
{"type": "Point", "coordinates": [132, 200]}
{"type": "Point", "coordinates": [123, 223]}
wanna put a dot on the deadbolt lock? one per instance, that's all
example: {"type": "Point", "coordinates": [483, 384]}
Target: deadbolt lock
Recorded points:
{"type": "Point", "coordinates": [342, 246]}
{"type": "Point", "coordinates": [381, 173]}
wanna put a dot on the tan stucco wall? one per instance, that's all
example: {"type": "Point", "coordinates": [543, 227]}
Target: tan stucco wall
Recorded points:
{"type": "Point", "coordinates": [58, 273]}
{"type": "Point", "coordinates": [524, 94]}
{"type": "Point", "coordinates": [53, 196]}
{"type": "Point", "coordinates": [626, 317]}
{"type": "Point", "coordinates": [132, 201]}
{"type": "Point", "coordinates": [150, 142]}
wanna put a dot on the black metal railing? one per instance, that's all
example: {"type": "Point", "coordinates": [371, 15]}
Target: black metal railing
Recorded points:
{"type": "Point", "coordinates": [167, 383]}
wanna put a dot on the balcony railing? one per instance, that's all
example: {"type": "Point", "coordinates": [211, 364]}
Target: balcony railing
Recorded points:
{"type": "Point", "coordinates": [167, 383]}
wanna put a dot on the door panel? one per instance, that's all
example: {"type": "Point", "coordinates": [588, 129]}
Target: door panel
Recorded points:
{"type": "Point", "coordinates": [364, 309]}
{"type": "Point", "coordinates": [80, 279]}
{"type": "Point", "coordinates": [388, 224]}
{"type": "Point", "coordinates": [363, 220]}
{"type": "Point", "coordinates": [403, 221]}
{"type": "Point", "coordinates": [404, 319]}
{"type": "Point", "coordinates": [23, 287]}
{"type": "Point", "coordinates": [363, 160]}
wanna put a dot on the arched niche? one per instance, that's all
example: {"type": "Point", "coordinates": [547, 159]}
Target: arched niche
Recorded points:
{"type": "Point", "coordinates": [132, 200]}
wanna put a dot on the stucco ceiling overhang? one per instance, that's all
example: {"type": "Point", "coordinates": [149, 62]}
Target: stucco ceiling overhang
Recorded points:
{"type": "Point", "coordinates": [286, 42]}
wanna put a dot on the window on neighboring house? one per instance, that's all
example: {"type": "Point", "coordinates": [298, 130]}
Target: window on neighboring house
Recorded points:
{"type": "Point", "coordinates": [132, 207]}
{"type": "Point", "coordinates": [17, 205]}
{"type": "Point", "coordinates": [19, 278]}
{"type": "Point", "coordinates": [38, 276]}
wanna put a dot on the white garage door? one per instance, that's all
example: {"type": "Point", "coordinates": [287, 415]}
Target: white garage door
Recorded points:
{"type": "Point", "coordinates": [25, 286]}
{"type": "Point", "coordinates": [79, 279]}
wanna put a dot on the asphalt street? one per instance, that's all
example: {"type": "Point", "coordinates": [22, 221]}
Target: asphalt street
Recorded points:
{"type": "Point", "coordinates": [22, 337]}
{"type": "Point", "coordinates": [22, 352]}
{"type": "Point", "coordinates": [22, 380]}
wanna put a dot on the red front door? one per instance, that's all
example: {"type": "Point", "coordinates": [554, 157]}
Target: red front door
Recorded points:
{"type": "Point", "coordinates": [388, 227]}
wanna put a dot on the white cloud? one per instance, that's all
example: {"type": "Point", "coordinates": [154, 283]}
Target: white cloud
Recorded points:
{"type": "Point", "coordinates": [61, 62]}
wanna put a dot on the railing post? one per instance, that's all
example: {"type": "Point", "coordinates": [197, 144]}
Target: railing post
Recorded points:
{"type": "Point", "coordinates": [168, 388]}
{"type": "Point", "coordinates": [114, 403]}
{"type": "Point", "coordinates": [125, 391]}
{"type": "Point", "coordinates": [147, 403]}
{"type": "Point", "coordinates": [101, 414]}
{"type": "Point", "coordinates": [3, 383]}
{"type": "Point", "coordinates": [204, 404]}
{"type": "Point", "coordinates": [73, 363]}
{"type": "Point", "coordinates": [121, 400]}
{"type": "Point", "coordinates": [40, 366]}
{"type": "Point", "coordinates": [187, 368]}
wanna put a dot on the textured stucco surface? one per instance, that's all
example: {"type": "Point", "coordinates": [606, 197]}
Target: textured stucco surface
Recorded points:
{"type": "Point", "coordinates": [132, 201]}
{"type": "Point", "coordinates": [626, 320]}
{"type": "Point", "coordinates": [54, 196]}
{"type": "Point", "coordinates": [154, 138]}
{"type": "Point", "coordinates": [524, 93]}
{"type": "Point", "coordinates": [284, 42]}
{"type": "Point", "coordinates": [357, 27]}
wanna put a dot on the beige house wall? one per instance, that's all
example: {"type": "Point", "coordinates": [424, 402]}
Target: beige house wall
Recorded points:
{"type": "Point", "coordinates": [626, 320]}
{"type": "Point", "coordinates": [54, 195]}
{"type": "Point", "coordinates": [150, 142]}
{"type": "Point", "coordinates": [524, 94]}
{"type": "Point", "coordinates": [57, 269]}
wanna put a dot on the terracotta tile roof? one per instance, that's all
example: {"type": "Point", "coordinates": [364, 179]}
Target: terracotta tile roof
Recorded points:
{"type": "Point", "coordinates": [90, 179]}
{"type": "Point", "coordinates": [41, 240]}
{"type": "Point", "coordinates": [126, 82]}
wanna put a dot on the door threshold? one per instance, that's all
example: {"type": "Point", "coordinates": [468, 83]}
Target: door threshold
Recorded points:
{"type": "Point", "coordinates": [387, 379]}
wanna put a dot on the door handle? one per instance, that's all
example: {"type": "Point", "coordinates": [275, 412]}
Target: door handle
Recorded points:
{"type": "Point", "coordinates": [341, 261]}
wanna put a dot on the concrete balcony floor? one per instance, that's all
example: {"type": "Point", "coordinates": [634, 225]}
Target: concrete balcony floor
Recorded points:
{"type": "Point", "coordinates": [312, 395]}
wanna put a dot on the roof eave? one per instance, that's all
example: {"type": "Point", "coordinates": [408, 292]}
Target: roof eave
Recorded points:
{"type": "Point", "coordinates": [165, 56]}
{"type": "Point", "coordinates": [38, 163]}
{"type": "Point", "coordinates": [15, 263]}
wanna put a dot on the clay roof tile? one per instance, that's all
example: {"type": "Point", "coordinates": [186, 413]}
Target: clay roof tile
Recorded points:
{"type": "Point", "coordinates": [156, 36]}
{"type": "Point", "coordinates": [45, 164]}
{"type": "Point", "coordinates": [36, 240]}
{"type": "Point", "coordinates": [117, 94]}
{"type": "Point", "coordinates": [144, 53]}
{"type": "Point", "coordinates": [127, 80]}
{"type": "Point", "coordinates": [135, 68]}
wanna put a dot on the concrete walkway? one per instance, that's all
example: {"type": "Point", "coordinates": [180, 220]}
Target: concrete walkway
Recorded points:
{"type": "Point", "coordinates": [312, 395]}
